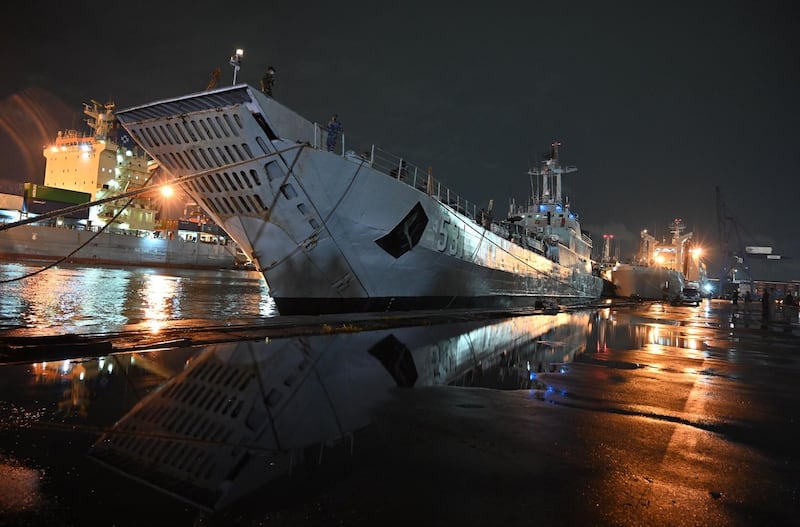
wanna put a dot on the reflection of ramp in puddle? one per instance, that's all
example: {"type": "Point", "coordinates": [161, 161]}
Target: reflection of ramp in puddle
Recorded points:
{"type": "Point", "coordinates": [240, 413]}
{"type": "Point", "coordinates": [231, 421]}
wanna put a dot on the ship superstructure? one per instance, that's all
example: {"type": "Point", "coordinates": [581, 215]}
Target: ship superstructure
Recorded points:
{"type": "Point", "coordinates": [102, 166]}
{"type": "Point", "coordinates": [548, 217]}
{"type": "Point", "coordinates": [680, 253]}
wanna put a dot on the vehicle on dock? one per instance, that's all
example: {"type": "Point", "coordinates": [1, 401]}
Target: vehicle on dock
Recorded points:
{"type": "Point", "coordinates": [690, 295]}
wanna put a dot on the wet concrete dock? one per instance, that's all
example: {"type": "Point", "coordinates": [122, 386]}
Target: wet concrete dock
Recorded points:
{"type": "Point", "coordinates": [22, 346]}
{"type": "Point", "coordinates": [667, 416]}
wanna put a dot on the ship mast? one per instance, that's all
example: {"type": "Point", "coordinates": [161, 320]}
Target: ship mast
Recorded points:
{"type": "Point", "coordinates": [679, 241]}
{"type": "Point", "coordinates": [102, 118]}
{"type": "Point", "coordinates": [676, 228]}
{"type": "Point", "coordinates": [549, 177]}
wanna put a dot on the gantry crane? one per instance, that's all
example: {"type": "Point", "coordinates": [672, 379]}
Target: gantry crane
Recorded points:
{"type": "Point", "coordinates": [732, 251]}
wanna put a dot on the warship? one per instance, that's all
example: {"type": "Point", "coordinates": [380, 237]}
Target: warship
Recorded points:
{"type": "Point", "coordinates": [335, 231]}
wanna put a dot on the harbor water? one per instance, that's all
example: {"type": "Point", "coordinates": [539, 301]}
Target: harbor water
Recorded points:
{"type": "Point", "coordinates": [616, 414]}
{"type": "Point", "coordinates": [79, 299]}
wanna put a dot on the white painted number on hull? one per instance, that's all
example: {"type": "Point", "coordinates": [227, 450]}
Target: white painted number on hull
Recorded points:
{"type": "Point", "coordinates": [450, 239]}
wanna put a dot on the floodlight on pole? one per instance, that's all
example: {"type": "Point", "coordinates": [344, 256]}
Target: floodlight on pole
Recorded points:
{"type": "Point", "coordinates": [236, 62]}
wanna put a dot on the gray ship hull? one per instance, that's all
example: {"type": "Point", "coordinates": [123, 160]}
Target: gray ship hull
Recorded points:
{"type": "Point", "coordinates": [338, 233]}
{"type": "Point", "coordinates": [46, 243]}
{"type": "Point", "coordinates": [650, 283]}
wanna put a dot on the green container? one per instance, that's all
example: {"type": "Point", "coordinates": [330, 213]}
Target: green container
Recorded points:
{"type": "Point", "coordinates": [61, 195]}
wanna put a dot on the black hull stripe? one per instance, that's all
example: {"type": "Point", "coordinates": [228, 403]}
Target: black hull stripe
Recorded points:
{"type": "Point", "coordinates": [324, 306]}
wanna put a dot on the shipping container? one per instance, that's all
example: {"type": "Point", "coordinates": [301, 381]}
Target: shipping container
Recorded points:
{"type": "Point", "coordinates": [54, 194]}
{"type": "Point", "coordinates": [42, 206]}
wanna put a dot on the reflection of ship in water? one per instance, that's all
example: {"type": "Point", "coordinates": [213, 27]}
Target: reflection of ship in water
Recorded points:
{"type": "Point", "coordinates": [85, 380]}
{"type": "Point", "coordinates": [661, 269]}
{"type": "Point", "coordinates": [518, 365]}
{"type": "Point", "coordinates": [242, 414]}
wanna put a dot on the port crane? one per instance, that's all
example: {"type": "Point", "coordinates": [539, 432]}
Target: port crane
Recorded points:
{"type": "Point", "coordinates": [732, 250]}
{"type": "Point", "coordinates": [212, 82]}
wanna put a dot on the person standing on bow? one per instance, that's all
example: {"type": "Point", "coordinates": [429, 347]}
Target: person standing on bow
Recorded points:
{"type": "Point", "coordinates": [334, 129]}
{"type": "Point", "coordinates": [268, 81]}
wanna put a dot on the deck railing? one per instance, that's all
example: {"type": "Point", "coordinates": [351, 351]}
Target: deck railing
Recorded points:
{"type": "Point", "coordinates": [423, 180]}
{"type": "Point", "coordinates": [400, 169]}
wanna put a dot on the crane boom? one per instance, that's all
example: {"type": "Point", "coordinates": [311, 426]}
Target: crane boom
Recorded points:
{"type": "Point", "coordinates": [731, 256]}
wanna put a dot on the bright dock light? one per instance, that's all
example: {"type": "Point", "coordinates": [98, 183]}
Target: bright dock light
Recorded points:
{"type": "Point", "coordinates": [236, 62]}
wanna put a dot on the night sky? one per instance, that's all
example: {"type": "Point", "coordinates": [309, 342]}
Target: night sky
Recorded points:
{"type": "Point", "coordinates": [656, 103]}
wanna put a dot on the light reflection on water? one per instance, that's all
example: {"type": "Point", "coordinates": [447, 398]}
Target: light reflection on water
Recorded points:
{"type": "Point", "coordinates": [78, 298]}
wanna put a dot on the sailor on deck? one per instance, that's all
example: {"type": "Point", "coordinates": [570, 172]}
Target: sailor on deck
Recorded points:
{"type": "Point", "coordinates": [334, 129]}
{"type": "Point", "coordinates": [268, 81]}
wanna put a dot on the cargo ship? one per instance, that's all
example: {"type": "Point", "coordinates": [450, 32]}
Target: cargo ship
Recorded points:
{"type": "Point", "coordinates": [661, 270]}
{"type": "Point", "coordinates": [82, 169]}
{"type": "Point", "coordinates": [336, 231]}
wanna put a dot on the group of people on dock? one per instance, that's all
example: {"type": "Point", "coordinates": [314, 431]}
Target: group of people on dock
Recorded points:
{"type": "Point", "coordinates": [768, 298]}
{"type": "Point", "coordinates": [788, 304]}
